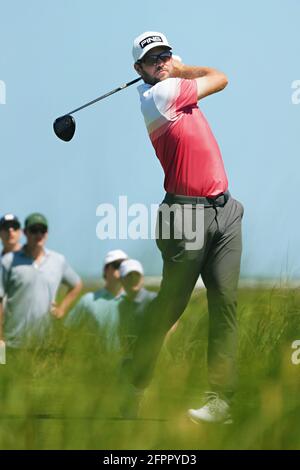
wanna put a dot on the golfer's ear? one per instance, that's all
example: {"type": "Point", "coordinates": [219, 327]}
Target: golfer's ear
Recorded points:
{"type": "Point", "coordinates": [138, 68]}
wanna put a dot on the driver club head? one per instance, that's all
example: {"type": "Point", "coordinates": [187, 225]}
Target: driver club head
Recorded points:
{"type": "Point", "coordinates": [64, 127]}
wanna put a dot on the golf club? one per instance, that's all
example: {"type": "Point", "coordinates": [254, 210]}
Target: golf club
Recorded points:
{"type": "Point", "coordinates": [65, 126]}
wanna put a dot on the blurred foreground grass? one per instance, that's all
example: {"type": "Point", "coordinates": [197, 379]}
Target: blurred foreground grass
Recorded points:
{"type": "Point", "coordinates": [68, 396]}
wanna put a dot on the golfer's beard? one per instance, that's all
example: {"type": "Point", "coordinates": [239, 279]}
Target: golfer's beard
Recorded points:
{"type": "Point", "coordinates": [150, 79]}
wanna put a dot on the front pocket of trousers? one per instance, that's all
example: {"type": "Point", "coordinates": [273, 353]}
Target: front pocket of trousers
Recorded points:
{"type": "Point", "coordinates": [169, 237]}
{"type": "Point", "coordinates": [171, 249]}
{"type": "Point", "coordinates": [180, 234]}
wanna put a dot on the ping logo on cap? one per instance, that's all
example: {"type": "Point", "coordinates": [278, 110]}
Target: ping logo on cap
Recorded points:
{"type": "Point", "coordinates": [150, 40]}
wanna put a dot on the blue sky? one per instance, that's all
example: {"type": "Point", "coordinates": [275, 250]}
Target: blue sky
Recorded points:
{"type": "Point", "coordinates": [57, 55]}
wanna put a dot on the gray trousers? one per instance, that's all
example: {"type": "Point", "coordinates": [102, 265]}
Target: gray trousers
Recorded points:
{"type": "Point", "coordinates": [218, 262]}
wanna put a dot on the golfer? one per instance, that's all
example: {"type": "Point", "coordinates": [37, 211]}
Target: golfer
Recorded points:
{"type": "Point", "coordinates": [29, 279]}
{"type": "Point", "coordinates": [195, 180]}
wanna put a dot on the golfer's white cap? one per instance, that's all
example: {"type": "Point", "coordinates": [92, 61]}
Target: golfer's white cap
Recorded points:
{"type": "Point", "coordinates": [114, 255]}
{"type": "Point", "coordinates": [130, 266]}
{"type": "Point", "coordinates": [147, 41]}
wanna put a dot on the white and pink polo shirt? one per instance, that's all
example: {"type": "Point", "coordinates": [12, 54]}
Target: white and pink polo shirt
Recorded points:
{"type": "Point", "coordinates": [182, 139]}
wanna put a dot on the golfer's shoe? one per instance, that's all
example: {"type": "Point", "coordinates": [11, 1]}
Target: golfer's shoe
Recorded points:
{"type": "Point", "coordinates": [132, 403]}
{"type": "Point", "coordinates": [215, 410]}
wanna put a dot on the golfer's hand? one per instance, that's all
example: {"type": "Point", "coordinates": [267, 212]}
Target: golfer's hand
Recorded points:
{"type": "Point", "coordinates": [2, 343]}
{"type": "Point", "coordinates": [57, 311]}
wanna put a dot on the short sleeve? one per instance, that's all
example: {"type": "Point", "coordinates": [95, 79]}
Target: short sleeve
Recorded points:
{"type": "Point", "coordinates": [174, 95]}
{"type": "Point", "coordinates": [5, 267]}
{"type": "Point", "coordinates": [69, 276]}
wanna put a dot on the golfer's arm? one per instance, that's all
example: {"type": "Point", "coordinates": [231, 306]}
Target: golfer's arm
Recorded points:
{"type": "Point", "coordinates": [1, 320]}
{"type": "Point", "coordinates": [70, 297]}
{"type": "Point", "coordinates": [209, 80]}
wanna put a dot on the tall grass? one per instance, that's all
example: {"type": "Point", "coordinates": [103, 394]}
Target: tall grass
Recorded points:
{"type": "Point", "coordinates": [67, 396]}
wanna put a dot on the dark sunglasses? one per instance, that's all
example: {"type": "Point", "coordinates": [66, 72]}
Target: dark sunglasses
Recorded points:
{"type": "Point", "coordinates": [35, 229]}
{"type": "Point", "coordinates": [152, 59]}
{"type": "Point", "coordinates": [13, 225]}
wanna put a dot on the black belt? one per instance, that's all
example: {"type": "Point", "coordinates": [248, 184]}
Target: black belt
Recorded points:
{"type": "Point", "coordinates": [218, 201]}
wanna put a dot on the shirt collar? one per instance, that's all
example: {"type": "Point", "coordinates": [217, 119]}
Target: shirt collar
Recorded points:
{"type": "Point", "coordinates": [46, 254]}
{"type": "Point", "coordinates": [144, 87]}
{"type": "Point", "coordinates": [109, 295]}
{"type": "Point", "coordinates": [140, 297]}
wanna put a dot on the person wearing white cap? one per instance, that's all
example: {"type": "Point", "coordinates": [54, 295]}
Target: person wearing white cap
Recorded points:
{"type": "Point", "coordinates": [133, 307]}
{"type": "Point", "coordinates": [132, 278]}
{"type": "Point", "coordinates": [111, 274]}
{"type": "Point", "coordinates": [10, 233]}
{"type": "Point", "coordinates": [194, 176]}
{"type": "Point", "coordinates": [97, 308]}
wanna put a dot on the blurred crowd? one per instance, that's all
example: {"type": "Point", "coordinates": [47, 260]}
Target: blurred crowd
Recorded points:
{"type": "Point", "coordinates": [30, 278]}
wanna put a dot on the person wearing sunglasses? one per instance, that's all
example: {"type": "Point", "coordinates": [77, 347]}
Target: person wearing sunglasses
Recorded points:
{"type": "Point", "coordinates": [29, 279]}
{"type": "Point", "coordinates": [195, 178]}
{"type": "Point", "coordinates": [10, 233]}
{"type": "Point", "coordinates": [111, 274]}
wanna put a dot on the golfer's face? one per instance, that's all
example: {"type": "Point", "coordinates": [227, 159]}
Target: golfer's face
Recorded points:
{"type": "Point", "coordinates": [10, 236]}
{"type": "Point", "coordinates": [159, 70]}
{"type": "Point", "coordinates": [36, 235]}
{"type": "Point", "coordinates": [132, 283]}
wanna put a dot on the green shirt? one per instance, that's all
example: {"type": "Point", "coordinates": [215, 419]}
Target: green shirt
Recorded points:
{"type": "Point", "coordinates": [117, 320]}
{"type": "Point", "coordinates": [97, 311]}
{"type": "Point", "coordinates": [131, 317]}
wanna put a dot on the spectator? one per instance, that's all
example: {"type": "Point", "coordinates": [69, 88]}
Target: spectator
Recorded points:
{"type": "Point", "coordinates": [10, 233]}
{"type": "Point", "coordinates": [133, 305]}
{"type": "Point", "coordinates": [97, 311]}
{"type": "Point", "coordinates": [30, 279]}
